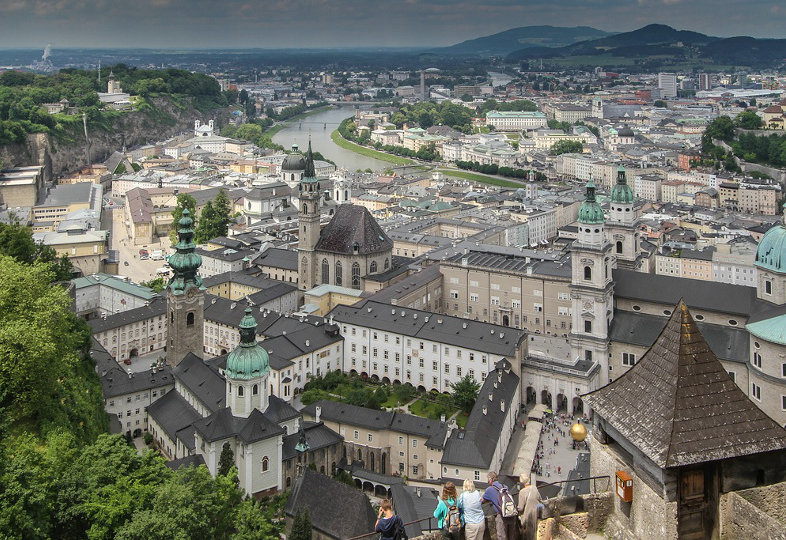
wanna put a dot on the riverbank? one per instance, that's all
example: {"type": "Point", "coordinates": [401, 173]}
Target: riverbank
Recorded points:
{"type": "Point", "coordinates": [337, 139]}
{"type": "Point", "coordinates": [482, 178]}
{"type": "Point", "coordinates": [283, 124]}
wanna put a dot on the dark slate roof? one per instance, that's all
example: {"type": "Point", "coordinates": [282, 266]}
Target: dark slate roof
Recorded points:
{"type": "Point", "coordinates": [408, 284]}
{"type": "Point", "coordinates": [173, 413]}
{"type": "Point", "coordinates": [277, 258]}
{"type": "Point", "coordinates": [189, 461]}
{"type": "Point", "coordinates": [643, 329]}
{"type": "Point", "coordinates": [411, 507]}
{"type": "Point", "coordinates": [201, 380]}
{"type": "Point", "coordinates": [668, 290]}
{"type": "Point", "coordinates": [474, 335]}
{"type": "Point", "coordinates": [154, 309]}
{"type": "Point", "coordinates": [116, 382]}
{"type": "Point", "coordinates": [317, 435]}
{"type": "Point", "coordinates": [373, 419]}
{"type": "Point", "coordinates": [222, 424]}
{"type": "Point", "coordinates": [680, 407]}
{"type": "Point", "coordinates": [474, 445]}
{"type": "Point", "coordinates": [330, 504]}
{"type": "Point", "coordinates": [353, 225]}
{"type": "Point", "coordinates": [279, 410]}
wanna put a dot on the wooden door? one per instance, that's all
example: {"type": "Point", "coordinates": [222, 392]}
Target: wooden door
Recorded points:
{"type": "Point", "coordinates": [695, 513]}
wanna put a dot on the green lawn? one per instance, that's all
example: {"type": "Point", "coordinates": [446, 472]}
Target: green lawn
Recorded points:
{"type": "Point", "coordinates": [475, 177]}
{"type": "Point", "coordinates": [368, 152]}
{"type": "Point", "coordinates": [461, 420]}
{"type": "Point", "coordinates": [428, 409]}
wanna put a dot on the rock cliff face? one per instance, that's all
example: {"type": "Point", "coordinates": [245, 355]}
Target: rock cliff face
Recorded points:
{"type": "Point", "coordinates": [130, 130]}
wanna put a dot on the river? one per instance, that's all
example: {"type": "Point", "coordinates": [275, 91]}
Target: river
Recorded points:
{"type": "Point", "coordinates": [320, 126]}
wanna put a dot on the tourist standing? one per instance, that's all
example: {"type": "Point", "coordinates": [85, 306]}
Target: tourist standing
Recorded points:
{"type": "Point", "coordinates": [447, 513]}
{"type": "Point", "coordinates": [387, 522]}
{"type": "Point", "coordinates": [529, 500]}
{"type": "Point", "coordinates": [471, 508]}
{"type": "Point", "coordinates": [497, 494]}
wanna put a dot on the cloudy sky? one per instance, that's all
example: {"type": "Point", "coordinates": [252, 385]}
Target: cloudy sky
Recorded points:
{"type": "Point", "coordinates": [349, 23]}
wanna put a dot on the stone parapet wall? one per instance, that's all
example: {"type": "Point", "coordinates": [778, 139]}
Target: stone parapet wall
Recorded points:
{"type": "Point", "coordinates": [740, 518]}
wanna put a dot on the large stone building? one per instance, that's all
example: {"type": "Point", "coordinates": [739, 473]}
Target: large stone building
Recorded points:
{"type": "Point", "coordinates": [349, 248]}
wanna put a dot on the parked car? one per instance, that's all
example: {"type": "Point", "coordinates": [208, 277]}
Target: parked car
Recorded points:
{"type": "Point", "coordinates": [127, 361]}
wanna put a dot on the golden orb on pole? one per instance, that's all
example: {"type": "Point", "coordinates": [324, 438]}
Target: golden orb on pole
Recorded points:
{"type": "Point", "coordinates": [578, 432]}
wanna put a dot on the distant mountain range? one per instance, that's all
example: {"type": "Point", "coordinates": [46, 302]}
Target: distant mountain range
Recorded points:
{"type": "Point", "coordinates": [506, 42]}
{"type": "Point", "coordinates": [658, 40]}
{"type": "Point", "coordinates": [652, 45]}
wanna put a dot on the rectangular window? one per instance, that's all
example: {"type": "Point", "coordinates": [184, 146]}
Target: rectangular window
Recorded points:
{"type": "Point", "coordinates": [420, 362]}
{"type": "Point", "coordinates": [434, 366]}
{"type": "Point", "coordinates": [454, 294]}
{"type": "Point", "coordinates": [756, 391]}
{"type": "Point", "coordinates": [414, 443]}
{"type": "Point", "coordinates": [473, 297]}
{"type": "Point", "coordinates": [458, 371]}
{"type": "Point", "coordinates": [401, 440]}
{"type": "Point", "coordinates": [370, 437]}
{"type": "Point", "coordinates": [733, 376]}
{"type": "Point", "coordinates": [477, 476]}
{"type": "Point", "coordinates": [414, 470]}
{"type": "Point", "coordinates": [447, 368]}
{"type": "Point", "coordinates": [357, 435]}
{"type": "Point", "coordinates": [628, 359]}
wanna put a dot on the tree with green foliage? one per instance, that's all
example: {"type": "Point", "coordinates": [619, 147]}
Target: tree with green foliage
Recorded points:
{"type": "Point", "coordinates": [404, 392]}
{"type": "Point", "coordinates": [466, 98]}
{"type": "Point", "coordinates": [17, 241]}
{"type": "Point", "coordinates": [554, 124]}
{"type": "Point", "coordinates": [156, 284]}
{"type": "Point", "coordinates": [748, 120]}
{"type": "Point", "coordinates": [184, 200]}
{"type": "Point", "coordinates": [254, 521]}
{"type": "Point", "coordinates": [248, 132]}
{"type": "Point", "coordinates": [464, 393]}
{"type": "Point", "coordinates": [227, 460]}
{"type": "Point", "coordinates": [301, 526]}
{"type": "Point", "coordinates": [660, 104]}
{"type": "Point", "coordinates": [312, 396]}
{"type": "Point", "coordinates": [343, 476]}
{"type": "Point", "coordinates": [215, 218]}
{"type": "Point", "coordinates": [566, 147]}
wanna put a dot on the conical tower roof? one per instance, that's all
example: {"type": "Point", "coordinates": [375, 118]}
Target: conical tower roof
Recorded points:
{"type": "Point", "coordinates": [310, 172]}
{"type": "Point", "coordinates": [679, 406]}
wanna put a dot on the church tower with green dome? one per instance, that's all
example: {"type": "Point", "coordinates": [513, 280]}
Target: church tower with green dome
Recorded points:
{"type": "Point", "coordinates": [622, 226]}
{"type": "Point", "coordinates": [771, 265]}
{"type": "Point", "coordinates": [591, 289]}
{"type": "Point", "coordinates": [248, 366]}
{"type": "Point", "coordinates": [185, 297]}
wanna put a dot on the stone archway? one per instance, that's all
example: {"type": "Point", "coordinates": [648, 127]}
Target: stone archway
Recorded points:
{"type": "Point", "coordinates": [133, 353]}
{"type": "Point", "coordinates": [385, 380]}
{"type": "Point", "coordinates": [578, 406]}
{"type": "Point", "coordinates": [545, 398]}
{"type": "Point", "coordinates": [368, 486]}
{"type": "Point", "coordinates": [531, 396]}
{"type": "Point", "coordinates": [505, 320]}
{"type": "Point", "coordinates": [562, 403]}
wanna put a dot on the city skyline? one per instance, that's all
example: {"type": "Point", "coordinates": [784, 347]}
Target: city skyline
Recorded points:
{"type": "Point", "coordinates": [200, 24]}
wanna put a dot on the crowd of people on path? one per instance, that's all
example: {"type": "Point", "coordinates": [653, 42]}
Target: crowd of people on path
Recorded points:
{"type": "Point", "coordinates": [554, 428]}
{"type": "Point", "coordinates": [463, 515]}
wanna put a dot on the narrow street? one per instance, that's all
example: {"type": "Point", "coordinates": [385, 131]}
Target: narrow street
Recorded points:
{"type": "Point", "coordinates": [136, 269]}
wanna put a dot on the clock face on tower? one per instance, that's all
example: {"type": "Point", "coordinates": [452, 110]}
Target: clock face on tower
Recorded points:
{"type": "Point", "coordinates": [191, 293]}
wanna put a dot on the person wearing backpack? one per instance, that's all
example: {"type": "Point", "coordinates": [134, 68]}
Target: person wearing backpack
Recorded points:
{"type": "Point", "coordinates": [447, 513]}
{"type": "Point", "coordinates": [506, 518]}
{"type": "Point", "coordinates": [471, 508]}
{"type": "Point", "coordinates": [388, 524]}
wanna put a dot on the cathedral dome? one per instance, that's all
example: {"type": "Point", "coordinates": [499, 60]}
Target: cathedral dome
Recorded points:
{"type": "Point", "coordinates": [626, 132]}
{"type": "Point", "coordinates": [248, 360]}
{"type": "Point", "coordinates": [294, 162]}
{"type": "Point", "coordinates": [771, 253]}
{"type": "Point", "coordinates": [621, 192]}
{"type": "Point", "coordinates": [590, 212]}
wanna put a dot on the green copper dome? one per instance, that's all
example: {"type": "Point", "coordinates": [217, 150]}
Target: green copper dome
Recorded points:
{"type": "Point", "coordinates": [771, 253]}
{"type": "Point", "coordinates": [248, 360]}
{"type": "Point", "coordinates": [621, 192]}
{"type": "Point", "coordinates": [590, 212]}
{"type": "Point", "coordinates": [185, 262]}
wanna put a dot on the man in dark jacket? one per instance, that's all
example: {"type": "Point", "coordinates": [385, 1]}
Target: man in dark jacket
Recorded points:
{"type": "Point", "coordinates": [387, 521]}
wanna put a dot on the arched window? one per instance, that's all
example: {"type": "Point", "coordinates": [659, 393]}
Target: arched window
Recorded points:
{"type": "Point", "coordinates": [339, 273]}
{"type": "Point", "coordinates": [293, 177]}
{"type": "Point", "coordinates": [355, 276]}
{"type": "Point", "coordinates": [360, 456]}
{"type": "Point", "coordinates": [265, 464]}
{"type": "Point", "coordinates": [387, 263]}
{"type": "Point", "coordinates": [289, 481]}
{"type": "Point", "coordinates": [172, 316]}
{"type": "Point", "coordinates": [255, 390]}
{"type": "Point", "coordinates": [190, 319]}
{"type": "Point", "coordinates": [240, 391]}
{"type": "Point", "coordinates": [768, 287]}
{"type": "Point", "coordinates": [325, 272]}
{"type": "Point", "coordinates": [371, 460]}
{"type": "Point", "coordinates": [373, 267]}
{"type": "Point", "coordinates": [619, 246]}
{"type": "Point", "coordinates": [587, 272]}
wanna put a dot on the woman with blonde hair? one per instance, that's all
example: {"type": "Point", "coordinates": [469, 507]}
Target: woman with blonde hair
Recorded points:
{"type": "Point", "coordinates": [470, 506]}
{"type": "Point", "coordinates": [447, 513]}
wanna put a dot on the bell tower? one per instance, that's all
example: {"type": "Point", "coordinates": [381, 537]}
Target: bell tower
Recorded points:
{"type": "Point", "coordinates": [185, 297]}
{"type": "Point", "coordinates": [591, 289]}
{"type": "Point", "coordinates": [623, 224]}
{"type": "Point", "coordinates": [308, 223]}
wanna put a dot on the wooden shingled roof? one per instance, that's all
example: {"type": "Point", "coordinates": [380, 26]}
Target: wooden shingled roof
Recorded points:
{"type": "Point", "coordinates": [679, 406]}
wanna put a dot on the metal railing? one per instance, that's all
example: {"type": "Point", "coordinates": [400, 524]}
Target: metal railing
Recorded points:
{"type": "Point", "coordinates": [513, 491]}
